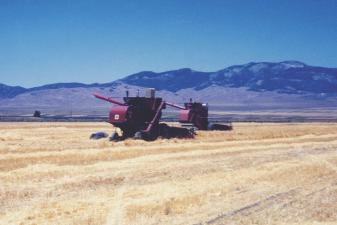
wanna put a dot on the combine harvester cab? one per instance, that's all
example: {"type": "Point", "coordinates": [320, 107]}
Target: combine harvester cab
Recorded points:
{"type": "Point", "coordinates": [139, 118]}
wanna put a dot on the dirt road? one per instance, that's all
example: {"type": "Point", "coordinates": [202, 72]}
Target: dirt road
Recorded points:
{"type": "Point", "coordinates": [51, 173]}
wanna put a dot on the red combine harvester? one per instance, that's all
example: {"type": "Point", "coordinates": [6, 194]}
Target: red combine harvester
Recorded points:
{"type": "Point", "coordinates": [195, 114]}
{"type": "Point", "coordinates": [139, 118]}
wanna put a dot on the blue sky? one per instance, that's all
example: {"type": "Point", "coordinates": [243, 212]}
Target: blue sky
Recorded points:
{"type": "Point", "coordinates": [47, 41]}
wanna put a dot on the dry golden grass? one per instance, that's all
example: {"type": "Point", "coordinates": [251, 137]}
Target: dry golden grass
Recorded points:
{"type": "Point", "coordinates": [51, 173]}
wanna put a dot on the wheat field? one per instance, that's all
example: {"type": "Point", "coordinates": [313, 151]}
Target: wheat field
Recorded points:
{"type": "Point", "coordinates": [52, 173]}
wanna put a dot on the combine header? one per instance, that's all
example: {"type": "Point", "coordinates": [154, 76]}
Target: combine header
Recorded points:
{"type": "Point", "coordinates": [139, 118]}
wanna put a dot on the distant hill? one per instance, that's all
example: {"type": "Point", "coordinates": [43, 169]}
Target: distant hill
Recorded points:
{"type": "Point", "coordinates": [285, 77]}
{"type": "Point", "coordinates": [267, 85]}
{"type": "Point", "coordinates": [10, 91]}
{"type": "Point", "coordinates": [173, 81]}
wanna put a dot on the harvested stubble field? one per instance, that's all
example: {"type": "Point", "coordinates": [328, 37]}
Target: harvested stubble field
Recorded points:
{"type": "Point", "coordinates": [51, 173]}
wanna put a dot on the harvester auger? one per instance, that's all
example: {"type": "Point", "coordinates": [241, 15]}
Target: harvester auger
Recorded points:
{"type": "Point", "coordinates": [139, 118]}
{"type": "Point", "coordinates": [195, 114]}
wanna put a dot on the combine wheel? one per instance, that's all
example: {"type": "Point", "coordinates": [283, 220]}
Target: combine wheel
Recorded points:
{"type": "Point", "coordinates": [138, 135]}
{"type": "Point", "coordinates": [151, 136]}
{"type": "Point", "coordinates": [164, 131]}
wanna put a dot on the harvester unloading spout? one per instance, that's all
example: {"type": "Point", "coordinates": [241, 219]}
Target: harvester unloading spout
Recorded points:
{"type": "Point", "coordinates": [111, 100]}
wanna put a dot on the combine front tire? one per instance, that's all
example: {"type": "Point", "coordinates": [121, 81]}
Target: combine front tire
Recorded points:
{"type": "Point", "coordinates": [138, 135]}
{"type": "Point", "coordinates": [164, 131]}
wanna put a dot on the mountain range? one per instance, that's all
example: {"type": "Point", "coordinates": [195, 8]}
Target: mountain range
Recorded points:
{"type": "Point", "coordinates": [263, 84]}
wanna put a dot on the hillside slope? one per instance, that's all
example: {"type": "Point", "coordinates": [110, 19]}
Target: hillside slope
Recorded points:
{"type": "Point", "coordinates": [288, 84]}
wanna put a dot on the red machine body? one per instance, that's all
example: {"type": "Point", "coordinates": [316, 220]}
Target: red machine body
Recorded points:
{"type": "Point", "coordinates": [118, 114]}
{"type": "Point", "coordinates": [184, 116]}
